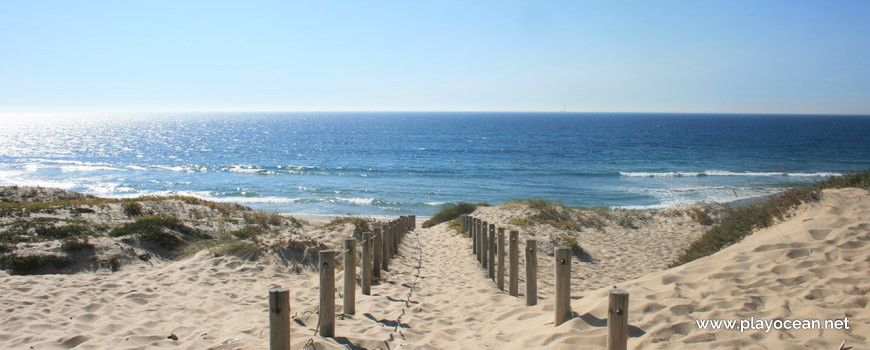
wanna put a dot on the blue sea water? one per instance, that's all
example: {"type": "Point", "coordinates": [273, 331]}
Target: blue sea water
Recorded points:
{"type": "Point", "coordinates": [382, 164]}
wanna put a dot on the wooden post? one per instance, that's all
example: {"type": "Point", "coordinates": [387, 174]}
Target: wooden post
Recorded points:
{"type": "Point", "coordinates": [531, 272]}
{"type": "Point", "coordinates": [492, 252]}
{"type": "Point", "coordinates": [327, 293]}
{"type": "Point", "coordinates": [413, 222]}
{"type": "Point", "coordinates": [388, 232]}
{"type": "Point", "coordinates": [367, 264]}
{"type": "Point", "coordinates": [279, 319]}
{"type": "Point", "coordinates": [500, 273]}
{"type": "Point", "coordinates": [473, 232]}
{"type": "Point", "coordinates": [617, 320]}
{"type": "Point", "coordinates": [396, 235]}
{"type": "Point", "coordinates": [477, 224]}
{"type": "Point", "coordinates": [514, 252]}
{"type": "Point", "coordinates": [378, 252]}
{"type": "Point", "coordinates": [563, 285]}
{"type": "Point", "coordinates": [397, 229]}
{"type": "Point", "coordinates": [484, 248]}
{"type": "Point", "coordinates": [349, 277]}
{"type": "Point", "coordinates": [479, 229]}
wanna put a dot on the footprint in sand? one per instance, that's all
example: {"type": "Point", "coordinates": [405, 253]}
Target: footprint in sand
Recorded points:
{"type": "Point", "coordinates": [820, 234]}
{"type": "Point", "coordinates": [74, 341]}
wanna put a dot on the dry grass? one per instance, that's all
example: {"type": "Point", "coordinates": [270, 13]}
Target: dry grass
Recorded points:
{"type": "Point", "coordinates": [360, 223]}
{"type": "Point", "coordinates": [741, 222]}
{"type": "Point", "coordinates": [450, 213]}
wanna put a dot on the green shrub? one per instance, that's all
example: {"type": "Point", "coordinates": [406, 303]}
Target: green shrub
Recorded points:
{"type": "Point", "coordinates": [72, 245]}
{"type": "Point", "coordinates": [153, 229]}
{"type": "Point", "coordinates": [450, 213]}
{"type": "Point", "coordinates": [228, 219]}
{"type": "Point", "coordinates": [263, 219]}
{"type": "Point", "coordinates": [700, 216]}
{"type": "Point", "coordinates": [131, 208]}
{"type": "Point", "coordinates": [248, 232]}
{"type": "Point", "coordinates": [83, 211]}
{"type": "Point", "coordinates": [60, 232]}
{"type": "Point", "coordinates": [859, 179]}
{"type": "Point", "coordinates": [521, 222]}
{"type": "Point", "coordinates": [455, 225]}
{"type": "Point", "coordinates": [28, 264]}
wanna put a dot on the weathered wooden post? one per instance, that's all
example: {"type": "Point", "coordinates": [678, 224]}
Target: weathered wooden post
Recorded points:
{"type": "Point", "coordinates": [349, 276]}
{"type": "Point", "coordinates": [563, 285]}
{"type": "Point", "coordinates": [492, 252]}
{"type": "Point", "coordinates": [397, 233]}
{"type": "Point", "coordinates": [484, 247]}
{"type": "Point", "coordinates": [367, 264]}
{"type": "Point", "coordinates": [279, 319]}
{"type": "Point", "coordinates": [413, 222]}
{"type": "Point", "coordinates": [327, 293]}
{"type": "Point", "coordinates": [617, 320]}
{"type": "Point", "coordinates": [500, 274]}
{"type": "Point", "coordinates": [388, 244]}
{"type": "Point", "coordinates": [479, 228]}
{"type": "Point", "coordinates": [531, 272]}
{"type": "Point", "coordinates": [514, 252]}
{"type": "Point", "coordinates": [378, 252]}
{"type": "Point", "coordinates": [473, 223]}
{"type": "Point", "coordinates": [473, 231]}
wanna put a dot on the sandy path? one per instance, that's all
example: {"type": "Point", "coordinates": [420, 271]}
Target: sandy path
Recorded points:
{"type": "Point", "coordinates": [449, 297]}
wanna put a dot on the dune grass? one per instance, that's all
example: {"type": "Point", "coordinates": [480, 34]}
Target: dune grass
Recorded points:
{"type": "Point", "coordinates": [451, 212]}
{"type": "Point", "coordinates": [737, 223]}
{"type": "Point", "coordinates": [73, 245]}
{"type": "Point", "coordinates": [560, 216]}
{"type": "Point", "coordinates": [29, 264]}
{"type": "Point", "coordinates": [132, 208]}
{"type": "Point", "coordinates": [249, 232]}
{"type": "Point", "coordinates": [158, 230]}
{"type": "Point", "coordinates": [360, 223]}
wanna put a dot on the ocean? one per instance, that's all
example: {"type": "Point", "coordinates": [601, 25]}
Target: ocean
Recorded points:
{"type": "Point", "coordinates": [384, 164]}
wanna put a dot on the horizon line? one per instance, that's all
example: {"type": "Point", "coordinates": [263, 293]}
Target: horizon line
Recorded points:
{"type": "Point", "coordinates": [427, 111]}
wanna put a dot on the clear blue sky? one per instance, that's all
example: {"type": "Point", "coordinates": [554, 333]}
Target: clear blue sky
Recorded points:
{"type": "Point", "coordinates": [643, 56]}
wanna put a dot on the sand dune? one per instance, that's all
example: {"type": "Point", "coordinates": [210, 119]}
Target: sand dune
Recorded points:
{"type": "Point", "coordinates": [813, 266]}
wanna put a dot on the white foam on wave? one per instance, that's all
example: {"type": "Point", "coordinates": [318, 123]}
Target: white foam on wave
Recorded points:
{"type": "Point", "coordinates": [691, 195]}
{"type": "Point", "coordinates": [65, 185]}
{"type": "Point", "coordinates": [359, 201]}
{"type": "Point", "coordinates": [176, 168]}
{"type": "Point", "coordinates": [72, 168]}
{"type": "Point", "coordinates": [723, 173]}
{"type": "Point", "coordinates": [254, 200]}
{"type": "Point", "coordinates": [663, 174]}
{"type": "Point", "coordinates": [244, 169]}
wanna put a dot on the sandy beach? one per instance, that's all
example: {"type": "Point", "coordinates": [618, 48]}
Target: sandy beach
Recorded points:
{"type": "Point", "coordinates": [436, 295]}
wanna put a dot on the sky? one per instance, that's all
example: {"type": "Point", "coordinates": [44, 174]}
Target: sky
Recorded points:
{"type": "Point", "coordinates": [581, 56]}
